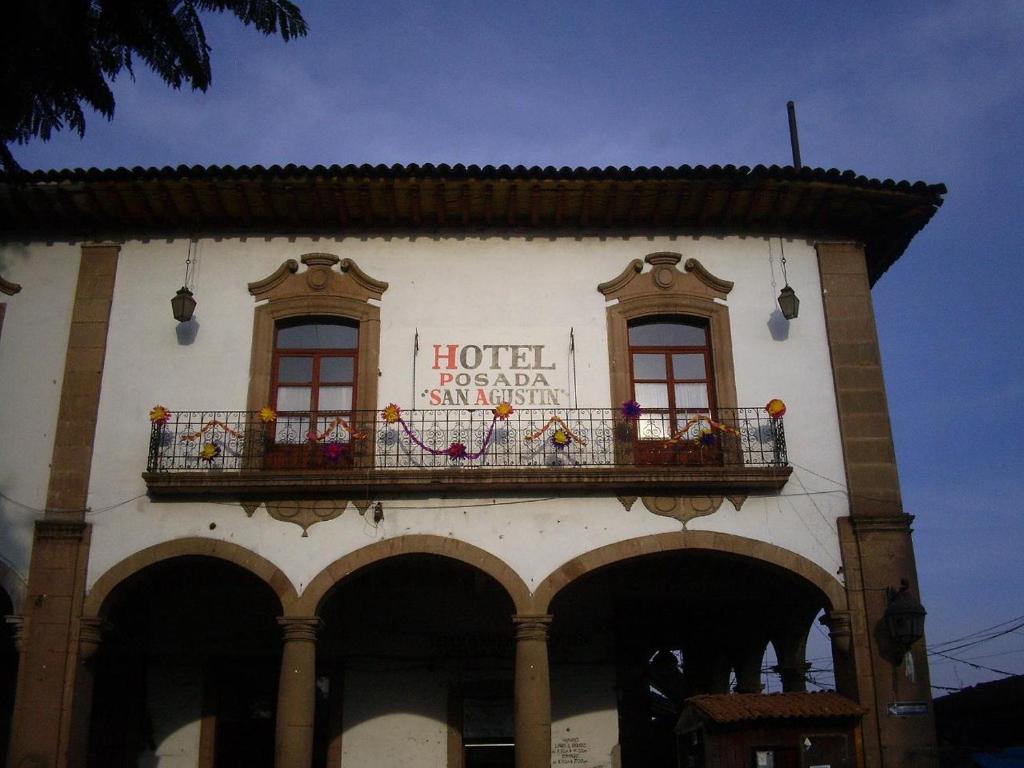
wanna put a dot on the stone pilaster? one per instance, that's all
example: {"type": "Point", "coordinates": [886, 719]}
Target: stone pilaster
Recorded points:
{"type": "Point", "coordinates": [296, 693]}
{"type": "Point", "coordinates": [532, 692]}
{"type": "Point", "coordinates": [875, 540]}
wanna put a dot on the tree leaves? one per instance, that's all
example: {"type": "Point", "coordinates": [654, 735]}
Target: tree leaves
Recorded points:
{"type": "Point", "coordinates": [57, 56]}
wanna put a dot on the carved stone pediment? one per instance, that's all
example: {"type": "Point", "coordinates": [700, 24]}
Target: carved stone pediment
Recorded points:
{"type": "Point", "coordinates": [665, 277]}
{"type": "Point", "coordinates": [320, 277]}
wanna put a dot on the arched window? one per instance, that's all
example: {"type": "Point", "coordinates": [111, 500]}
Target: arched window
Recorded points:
{"type": "Point", "coordinates": [314, 375]}
{"type": "Point", "coordinates": [670, 373]}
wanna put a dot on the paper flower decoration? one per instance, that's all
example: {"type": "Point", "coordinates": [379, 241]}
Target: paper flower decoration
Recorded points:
{"type": "Point", "coordinates": [631, 410]}
{"type": "Point", "coordinates": [561, 439]}
{"type": "Point", "coordinates": [391, 413]}
{"type": "Point", "coordinates": [333, 451]}
{"type": "Point", "coordinates": [503, 410]}
{"type": "Point", "coordinates": [456, 451]}
{"type": "Point", "coordinates": [159, 415]}
{"type": "Point", "coordinates": [209, 452]}
{"type": "Point", "coordinates": [776, 408]}
{"type": "Point", "coordinates": [267, 415]}
{"type": "Point", "coordinates": [704, 438]}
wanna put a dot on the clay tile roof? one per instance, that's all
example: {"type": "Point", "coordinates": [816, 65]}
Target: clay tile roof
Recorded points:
{"type": "Point", "coordinates": [742, 707]}
{"type": "Point", "coordinates": [120, 203]}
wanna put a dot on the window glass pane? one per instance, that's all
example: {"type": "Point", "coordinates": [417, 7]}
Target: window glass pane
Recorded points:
{"type": "Point", "coordinates": [689, 367]}
{"type": "Point", "coordinates": [293, 398]}
{"type": "Point", "coordinates": [649, 367]}
{"type": "Point", "coordinates": [317, 335]}
{"type": "Point", "coordinates": [651, 395]}
{"type": "Point", "coordinates": [336, 369]}
{"type": "Point", "coordinates": [691, 396]}
{"type": "Point", "coordinates": [297, 370]}
{"type": "Point", "coordinates": [667, 333]}
{"type": "Point", "coordinates": [335, 399]}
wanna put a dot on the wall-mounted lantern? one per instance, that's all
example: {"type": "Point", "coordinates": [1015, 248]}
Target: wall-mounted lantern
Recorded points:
{"type": "Point", "coordinates": [183, 305]}
{"type": "Point", "coordinates": [904, 617]}
{"type": "Point", "coordinates": [788, 301]}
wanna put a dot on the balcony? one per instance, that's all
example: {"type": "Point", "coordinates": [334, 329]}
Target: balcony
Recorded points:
{"type": "Point", "coordinates": [239, 454]}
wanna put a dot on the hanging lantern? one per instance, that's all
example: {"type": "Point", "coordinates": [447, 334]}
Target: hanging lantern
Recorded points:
{"type": "Point", "coordinates": [789, 303]}
{"type": "Point", "coordinates": [183, 305]}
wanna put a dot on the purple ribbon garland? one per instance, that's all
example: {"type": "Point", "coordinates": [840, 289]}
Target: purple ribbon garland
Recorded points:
{"type": "Point", "coordinates": [447, 451]}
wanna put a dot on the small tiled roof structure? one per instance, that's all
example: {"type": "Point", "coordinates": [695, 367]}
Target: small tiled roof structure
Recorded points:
{"type": "Point", "coordinates": [723, 708]}
{"type": "Point", "coordinates": [335, 200]}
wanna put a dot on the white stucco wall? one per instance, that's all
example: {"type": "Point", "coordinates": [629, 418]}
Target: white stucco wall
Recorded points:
{"type": "Point", "coordinates": [33, 345]}
{"type": "Point", "coordinates": [538, 287]}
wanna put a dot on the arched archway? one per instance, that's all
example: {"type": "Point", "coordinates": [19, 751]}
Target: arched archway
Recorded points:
{"type": "Point", "coordinates": [689, 540]}
{"type": "Point", "coordinates": [352, 563]}
{"type": "Point", "coordinates": [190, 656]}
{"type": "Point", "coordinates": [257, 565]}
{"type": "Point", "coordinates": [416, 648]}
{"type": "Point", "coordinates": [654, 620]}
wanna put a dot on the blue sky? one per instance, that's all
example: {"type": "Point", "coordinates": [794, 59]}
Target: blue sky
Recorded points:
{"type": "Point", "coordinates": [913, 90]}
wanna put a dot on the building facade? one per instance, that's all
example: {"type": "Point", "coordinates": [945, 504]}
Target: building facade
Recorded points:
{"type": "Point", "coordinates": [449, 466]}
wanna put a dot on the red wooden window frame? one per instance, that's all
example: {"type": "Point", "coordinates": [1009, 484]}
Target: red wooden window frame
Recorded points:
{"type": "Point", "coordinates": [677, 415]}
{"type": "Point", "coordinates": [314, 384]}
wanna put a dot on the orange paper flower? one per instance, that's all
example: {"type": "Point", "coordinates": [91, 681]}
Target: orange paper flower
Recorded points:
{"type": "Point", "coordinates": [776, 408]}
{"type": "Point", "coordinates": [391, 414]}
{"type": "Point", "coordinates": [159, 415]}
{"type": "Point", "coordinates": [503, 410]}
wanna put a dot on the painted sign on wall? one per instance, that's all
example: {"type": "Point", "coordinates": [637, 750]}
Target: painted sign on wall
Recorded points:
{"type": "Point", "coordinates": [453, 373]}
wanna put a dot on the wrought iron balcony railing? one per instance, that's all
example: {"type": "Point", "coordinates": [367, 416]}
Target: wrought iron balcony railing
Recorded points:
{"type": "Point", "coordinates": [462, 440]}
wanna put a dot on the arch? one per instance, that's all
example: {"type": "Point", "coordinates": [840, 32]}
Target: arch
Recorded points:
{"type": "Point", "coordinates": [629, 549]}
{"type": "Point", "coordinates": [260, 567]}
{"type": "Point", "coordinates": [420, 544]}
{"type": "Point", "coordinates": [12, 583]}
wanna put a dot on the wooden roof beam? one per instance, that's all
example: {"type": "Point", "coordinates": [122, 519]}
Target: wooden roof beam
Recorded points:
{"type": "Point", "coordinates": [512, 212]}
{"type": "Point", "coordinates": [439, 203]}
{"type": "Point", "coordinates": [609, 203]}
{"type": "Point", "coordinates": [415, 203]}
{"type": "Point", "coordinates": [394, 204]}
{"type": "Point", "coordinates": [586, 203]}
{"type": "Point", "coordinates": [534, 204]}
{"type": "Point", "coordinates": [366, 202]}
{"type": "Point", "coordinates": [145, 203]}
{"type": "Point", "coordinates": [340, 207]}
{"type": "Point", "coordinates": [560, 196]}
{"type": "Point", "coordinates": [488, 203]}
{"type": "Point", "coordinates": [464, 203]}
{"type": "Point", "coordinates": [199, 217]}
{"type": "Point", "coordinates": [633, 206]}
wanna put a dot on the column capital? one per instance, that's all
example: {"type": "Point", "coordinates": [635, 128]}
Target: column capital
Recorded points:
{"type": "Point", "coordinates": [532, 626]}
{"type": "Point", "coordinates": [90, 635]}
{"type": "Point", "coordinates": [17, 625]}
{"type": "Point", "coordinates": [840, 629]}
{"type": "Point", "coordinates": [301, 628]}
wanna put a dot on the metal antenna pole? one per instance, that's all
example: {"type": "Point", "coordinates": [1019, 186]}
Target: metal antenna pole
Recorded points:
{"type": "Point", "coordinates": [794, 139]}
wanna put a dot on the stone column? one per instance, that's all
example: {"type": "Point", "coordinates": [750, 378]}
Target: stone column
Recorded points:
{"type": "Point", "coordinates": [532, 692]}
{"type": "Point", "coordinates": [90, 636]}
{"type": "Point", "coordinates": [296, 693]}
